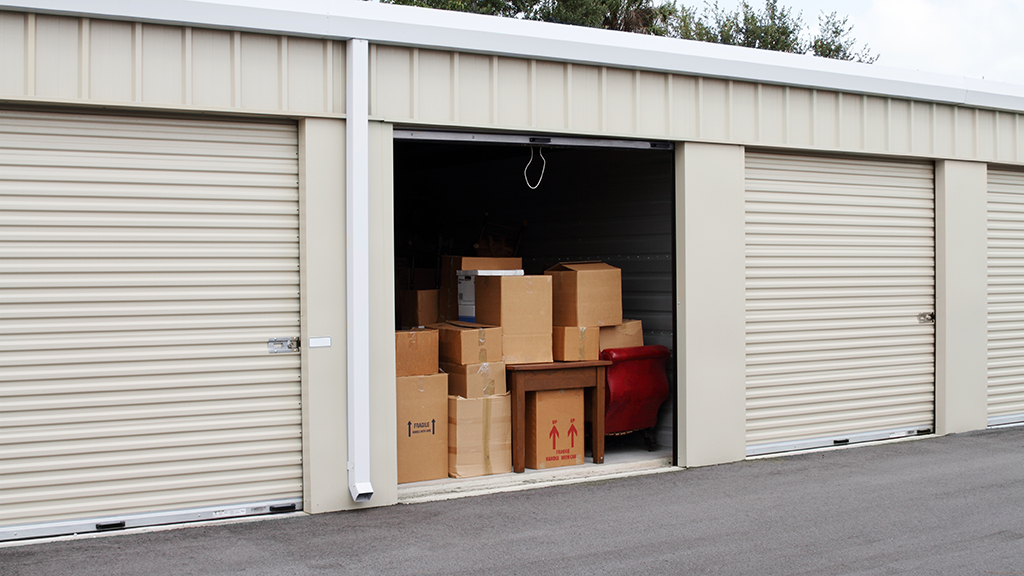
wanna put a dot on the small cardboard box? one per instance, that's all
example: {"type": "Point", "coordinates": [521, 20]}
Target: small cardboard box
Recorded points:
{"type": "Point", "coordinates": [554, 428]}
{"type": "Point", "coordinates": [422, 403]}
{"type": "Point", "coordinates": [475, 380]}
{"type": "Point", "coordinates": [626, 335]}
{"type": "Point", "coordinates": [419, 307]}
{"type": "Point", "coordinates": [586, 294]}
{"type": "Point", "coordinates": [526, 348]}
{"type": "Point", "coordinates": [448, 305]}
{"type": "Point", "coordinates": [415, 352]}
{"type": "Point", "coordinates": [519, 304]}
{"type": "Point", "coordinates": [575, 343]}
{"type": "Point", "coordinates": [479, 436]}
{"type": "Point", "coordinates": [467, 343]}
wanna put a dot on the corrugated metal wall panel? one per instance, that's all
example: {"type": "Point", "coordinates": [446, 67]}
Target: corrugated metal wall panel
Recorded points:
{"type": "Point", "coordinates": [476, 91]}
{"type": "Point", "coordinates": [1005, 296]}
{"type": "Point", "coordinates": [88, 59]}
{"type": "Point", "coordinates": [145, 264]}
{"type": "Point", "coordinates": [840, 261]}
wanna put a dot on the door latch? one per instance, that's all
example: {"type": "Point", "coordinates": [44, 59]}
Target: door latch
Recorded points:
{"type": "Point", "coordinates": [926, 318]}
{"type": "Point", "coordinates": [283, 345]}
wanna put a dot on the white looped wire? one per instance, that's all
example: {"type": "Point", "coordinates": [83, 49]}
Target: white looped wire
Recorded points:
{"type": "Point", "coordinates": [542, 168]}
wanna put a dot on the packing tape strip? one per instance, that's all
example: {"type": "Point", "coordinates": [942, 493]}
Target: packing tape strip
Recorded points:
{"type": "Point", "coordinates": [583, 343]}
{"type": "Point", "coordinates": [485, 371]}
{"type": "Point", "coordinates": [488, 468]}
{"type": "Point", "coordinates": [482, 346]}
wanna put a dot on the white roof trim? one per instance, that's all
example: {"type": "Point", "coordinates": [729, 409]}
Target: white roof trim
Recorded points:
{"type": "Point", "coordinates": [409, 26]}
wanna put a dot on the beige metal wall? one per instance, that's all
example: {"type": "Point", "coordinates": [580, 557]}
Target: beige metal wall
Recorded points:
{"type": "Point", "coordinates": [324, 372]}
{"type": "Point", "coordinates": [62, 59]}
{"type": "Point", "coordinates": [413, 85]}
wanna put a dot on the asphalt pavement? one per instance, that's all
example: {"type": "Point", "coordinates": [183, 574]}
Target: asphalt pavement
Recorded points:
{"type": "Point", "coordinates": [946, 506]}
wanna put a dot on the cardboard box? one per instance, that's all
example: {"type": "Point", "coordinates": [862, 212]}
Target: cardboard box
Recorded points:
{"type": "Point", "coordinates": [554, 428]}
{"type": "Point", "coordinates": [419, 307]}
{"type": "Point", "coordinates": [575, 343]}
{"type": "Point", "coordinates": [467, 343]}
{"type": "Point", "coordinates": [415, 352]}
{"type": "Point", "coordinates": [467, 290]}
{"type": "Point", "coordinates": [422, 403]}
{"type": "Point", "coordinates": [626, 335]}
{"type": "Point", "coordinates": [479, 436]}
{"type": "Point", "coordinates": [519, 304]}
{"type": "Point", "coordinates": [475, 380]}
{"type": "Point", "coordinates": [448, 307]}
{"type": "Point", "coordinates": [586, 294]}
{"type": "Point", "coordinates": [526, 348]}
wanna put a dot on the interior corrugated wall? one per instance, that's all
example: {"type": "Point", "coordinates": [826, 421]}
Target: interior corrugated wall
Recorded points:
{"type": "Point", "coordinates": [145, 263]}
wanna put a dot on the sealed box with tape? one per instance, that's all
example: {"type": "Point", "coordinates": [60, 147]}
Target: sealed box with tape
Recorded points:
{"type": "Point", "coordinates": [475, 380]}
{"type": "Point", "coordinates": [575, 343]}
{"type": "Point", "coordinates": [479, 436]}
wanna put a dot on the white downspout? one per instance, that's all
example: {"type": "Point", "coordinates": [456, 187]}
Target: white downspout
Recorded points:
{"type": "Point", "coordinates": [357, 273]}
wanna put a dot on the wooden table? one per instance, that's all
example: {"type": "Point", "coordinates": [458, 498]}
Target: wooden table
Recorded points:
{"type": "Point", "coordinates": [523, 378]}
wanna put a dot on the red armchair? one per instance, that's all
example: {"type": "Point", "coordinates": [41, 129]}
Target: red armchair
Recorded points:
{"type": "Point", "coordinates": [636, 386]}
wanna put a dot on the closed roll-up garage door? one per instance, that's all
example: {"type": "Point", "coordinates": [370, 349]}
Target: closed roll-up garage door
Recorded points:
{"type": "Point", "coordinates": [145, 263]}
{"type": "Point", "coordinates": [1005, 297]}
{"type": "Point", "coordinates": [840, 263]}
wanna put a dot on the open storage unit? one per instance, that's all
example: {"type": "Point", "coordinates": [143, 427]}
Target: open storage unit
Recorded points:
{"type": "Point", "coordinates": [577, 200]}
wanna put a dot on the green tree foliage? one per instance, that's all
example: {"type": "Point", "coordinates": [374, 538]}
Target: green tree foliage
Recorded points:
{"type": "Point", "coordinates": [773, 27]}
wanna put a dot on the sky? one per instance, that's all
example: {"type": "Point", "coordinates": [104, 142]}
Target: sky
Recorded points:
{"type": "Point", "coordinates": [978, 39]}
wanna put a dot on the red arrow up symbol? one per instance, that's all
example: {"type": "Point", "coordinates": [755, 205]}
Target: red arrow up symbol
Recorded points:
{"type": "Point", "coordinates": [572, 435]}
{"type": "Point", "coordinates": [554, 437]}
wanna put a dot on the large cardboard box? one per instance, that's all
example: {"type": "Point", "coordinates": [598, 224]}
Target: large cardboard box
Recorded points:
{"type": "Point", "coordinates": [415, 352]}
{"type": "Point", "coordinates": [475, 380]}
{"type": "Point", "coordinates": [586, 294]}
{"type": "Point", "coordinates": [448, 303]}
{"type": "Point", "coordinates": [418, 307]}
{"type": "Point", "coordinates": [526, 348]}
{"type": "Point", "coordinates": [626, 335]}
{"type": "Point", "coordinates": [468, 343]}
{"type": "Point", "coordinates": [422, 403]}
{"type": "Point", "coordinates": [479, 436]}
{"type": "Point", "coordinates": [575, 343]}
{"type": "Point", "coordinates": [519, 304]}
{"type": "Point", "coordinates": [554, 428]}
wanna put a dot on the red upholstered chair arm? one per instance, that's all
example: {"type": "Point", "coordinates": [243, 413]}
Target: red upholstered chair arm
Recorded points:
{"type": "Point", "coordinates": [636, 386]}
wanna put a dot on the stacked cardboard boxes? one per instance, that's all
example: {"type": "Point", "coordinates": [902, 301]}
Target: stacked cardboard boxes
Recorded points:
{"type": "Point", "coordinates": [585, 297]}
{"type": "Point", "coordinates": [422, 404]}
{"type": "Point", "coordinates": [521, 305]}
{"type": "Point", "coordinates": [479, 411]}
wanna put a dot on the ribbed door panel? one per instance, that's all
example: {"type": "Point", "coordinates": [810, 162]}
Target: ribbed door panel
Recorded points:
{"type": "Point", "coordinates": [144, 263]}
{"type": "Point", "coordinates": [1005, 296]}
{"type": "Point", "coordinates": [840, 261]}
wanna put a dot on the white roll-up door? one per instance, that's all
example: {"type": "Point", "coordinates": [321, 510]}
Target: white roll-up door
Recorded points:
{"type": "Point", "coordinates": [840, 263]}
{"type": "Point", "coordinates": [144, 263]}
{"type": "Point", "coordinates": [1005, 297]}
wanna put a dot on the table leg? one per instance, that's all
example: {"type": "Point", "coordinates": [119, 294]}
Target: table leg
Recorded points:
{"type": "Point", "coordinates": [518, 422]}
{"type": "Point", "coordinates": [597, 418]}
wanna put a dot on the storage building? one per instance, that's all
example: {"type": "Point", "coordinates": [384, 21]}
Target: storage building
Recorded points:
{"type": "Point", "coordinates": [201, 206]}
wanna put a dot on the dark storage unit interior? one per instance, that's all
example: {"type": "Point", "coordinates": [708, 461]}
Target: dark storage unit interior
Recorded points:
{"type": "Point", "coordinates": [614, 205]}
